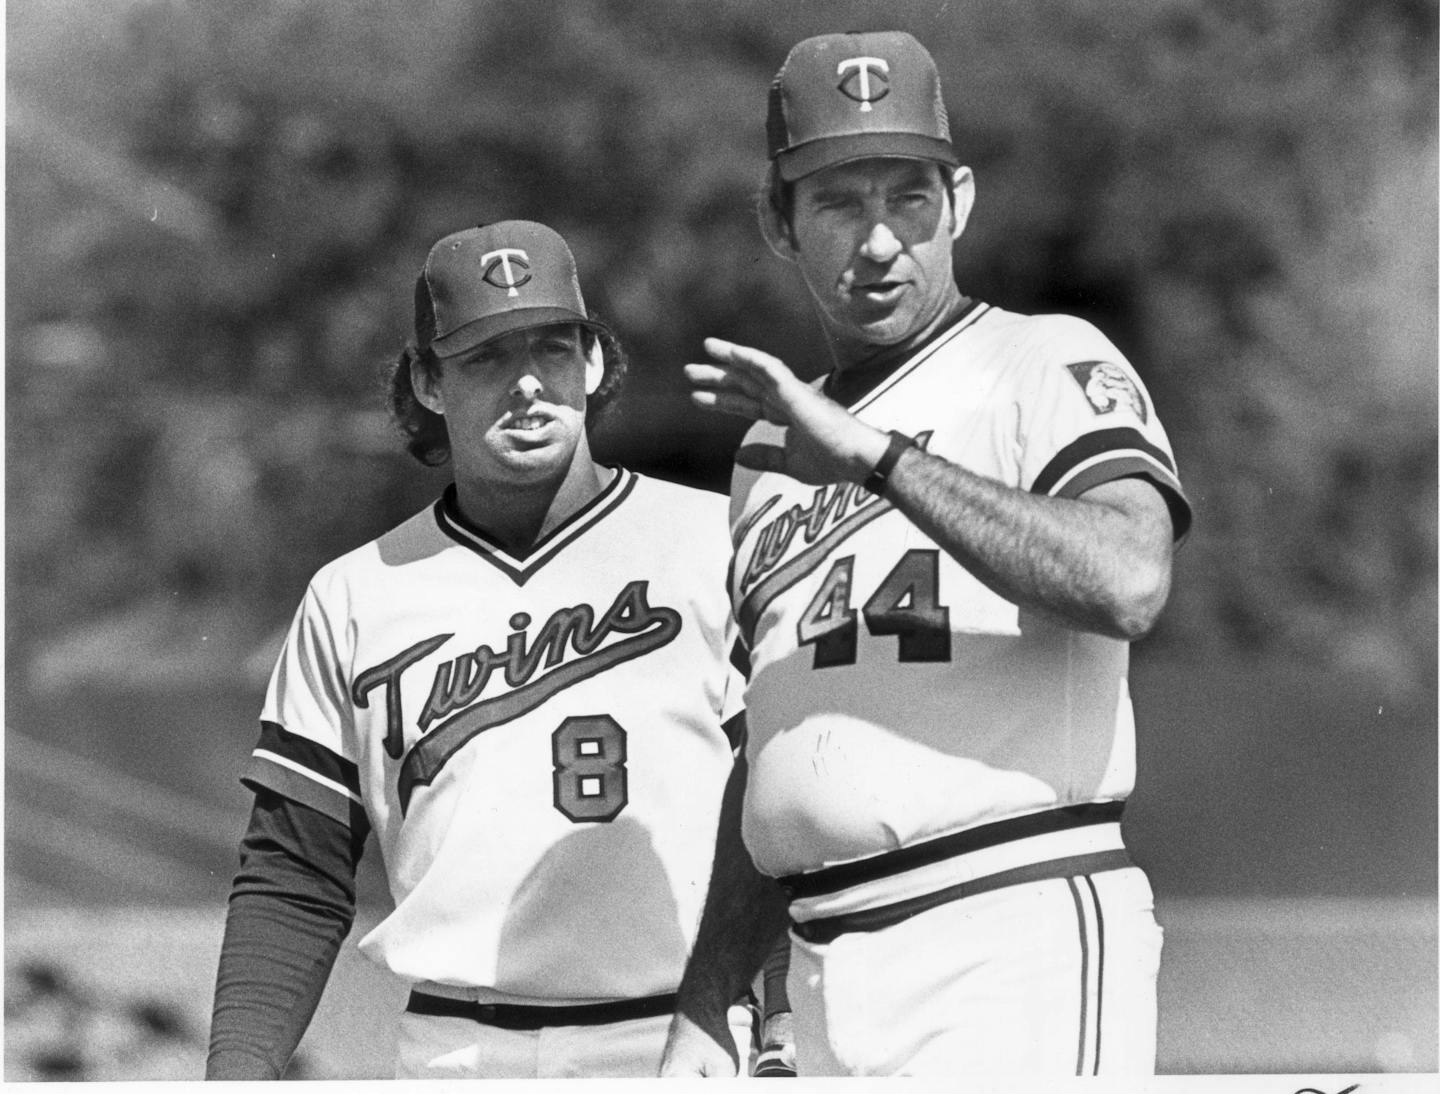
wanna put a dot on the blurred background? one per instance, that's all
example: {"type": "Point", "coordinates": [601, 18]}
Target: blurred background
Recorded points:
{"type": "Point", "coordinates": [214, 214]}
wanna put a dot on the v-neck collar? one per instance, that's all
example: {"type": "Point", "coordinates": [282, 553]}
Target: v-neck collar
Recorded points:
{"type": "Point", "coordinates": [520, 568]}
{"type": "Point", "coordinates": [864, 382]}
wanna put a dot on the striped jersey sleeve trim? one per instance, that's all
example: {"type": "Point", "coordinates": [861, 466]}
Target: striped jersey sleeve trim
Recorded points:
{"type": "Point", "coordinates": [1109, 454]}
{"type": "Point", "coordinates": [303, 771]}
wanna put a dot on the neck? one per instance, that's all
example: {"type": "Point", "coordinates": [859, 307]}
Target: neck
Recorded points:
{"type": "Point", "coordinates": [856, 355]}
{"type": "Point", "coordinates": [518, 515]}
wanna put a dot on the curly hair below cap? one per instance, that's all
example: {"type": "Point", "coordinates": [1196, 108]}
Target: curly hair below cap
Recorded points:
{"type": "Point", "coordinates": [425, 433]}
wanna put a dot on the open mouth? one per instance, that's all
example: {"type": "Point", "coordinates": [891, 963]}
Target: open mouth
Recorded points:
{"type": "Point", "coordinates": [879, 291]}
{"type": "Point", "coordinates": [532, 426]}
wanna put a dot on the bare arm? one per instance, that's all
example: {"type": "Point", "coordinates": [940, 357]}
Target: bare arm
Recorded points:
{"type": "Point", "coordinates": [744, 912]}
{"type": "Point", "coordinates": [1098, 563]}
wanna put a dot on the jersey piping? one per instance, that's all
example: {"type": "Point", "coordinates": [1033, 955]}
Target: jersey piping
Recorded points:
{"type": "Point", "coordinates": [1097, 457]}
{"type": "Point", "coordinates": [521, 568]}
{"type": "Point", "coordinates": [967, 320]}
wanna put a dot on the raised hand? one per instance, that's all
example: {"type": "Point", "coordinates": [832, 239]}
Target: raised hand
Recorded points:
{"type": "Point", "coordinates": [822, 442]}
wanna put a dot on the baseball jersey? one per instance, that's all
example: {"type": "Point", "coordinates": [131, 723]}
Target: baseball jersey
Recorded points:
{"type": "Point", "coordinates": [893, 697]}
{"type": "Point", "coordinates": [537, 742]}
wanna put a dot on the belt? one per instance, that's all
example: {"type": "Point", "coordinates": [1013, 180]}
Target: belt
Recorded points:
{"type": "Point", "coordinates": [832, 878]}
{"type": "Point", "coordinates": [874, 919]}
{"type": "Point", "coordinates": [522, 1016]}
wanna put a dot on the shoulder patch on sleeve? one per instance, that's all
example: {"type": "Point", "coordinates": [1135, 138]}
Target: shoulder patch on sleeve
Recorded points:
{"type": "Point", "coordinates": [1106, 386]}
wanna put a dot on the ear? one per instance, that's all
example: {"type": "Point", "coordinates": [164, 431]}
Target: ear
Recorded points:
{"type": "Point", "coordinates": [594, 366]}
{"type": "Point", "coordinates": [779, 236]}
{"type": "Point", "coordinates": [426, 386]}
{"type": "Point", "coordinates": [962, 199]}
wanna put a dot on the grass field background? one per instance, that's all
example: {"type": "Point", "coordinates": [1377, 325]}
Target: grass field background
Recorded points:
{"type": "Point", "coordinates": [1281, 986]}
{"type": "Point", "coordinates": [1287, 818]}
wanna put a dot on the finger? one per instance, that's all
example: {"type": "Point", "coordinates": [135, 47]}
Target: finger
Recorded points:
{"type": "Point", "coordinates": [705, 375]}
{"type": "Point", "coordinates": [748, 359]}
{"type": "Point", "coordinates": [761, 457]}
{"type": "Point", "coordinates": [719, 377]}
{"type": "Point", "coordinates": [729, 402]}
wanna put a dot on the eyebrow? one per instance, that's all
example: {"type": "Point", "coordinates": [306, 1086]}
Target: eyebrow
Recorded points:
{"type": "Point", "coordinates": [918, 177]}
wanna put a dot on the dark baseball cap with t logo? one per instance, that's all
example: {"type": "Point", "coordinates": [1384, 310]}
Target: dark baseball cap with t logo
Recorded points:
{"type": "Point", "coordinates": [483, 282]}
{"type": "Point", "coordinates": [842, 97]}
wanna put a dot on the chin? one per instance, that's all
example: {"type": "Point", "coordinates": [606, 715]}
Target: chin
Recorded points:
{"type": "Point", "coordinates": [546, 462]}
{"type": "Point", "coordinates": [883, 332]}
{"type": "Point", "coordinates": [537, 463]}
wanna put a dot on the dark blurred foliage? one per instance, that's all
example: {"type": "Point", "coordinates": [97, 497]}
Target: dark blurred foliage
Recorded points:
{"type": "Point", "coordinates": [215, 212]}
{"type": "Point", "coordinates": [59, 1030]}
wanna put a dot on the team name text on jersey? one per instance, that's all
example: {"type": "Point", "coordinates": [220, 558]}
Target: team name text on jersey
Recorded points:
{"type": "Point", "coordinates": [459, 682]}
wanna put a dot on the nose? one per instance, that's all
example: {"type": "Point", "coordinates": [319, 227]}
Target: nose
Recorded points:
{"type": "Point", "coordinates": [881, 244]}
{"type": "Point", "coordinates": [527, 386]}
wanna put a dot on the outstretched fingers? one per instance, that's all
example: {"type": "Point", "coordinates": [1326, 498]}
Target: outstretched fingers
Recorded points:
{"type": "Point", "coordinates": [727, 402]}
{"type": "Point", "coordinates": [716, 388]}
{"type": "Point", "coordinates": [718, 378]}
{"type": "Point", "coordinates": [742, 381]}
{"type": "Point", "coordinates": [747, 360]}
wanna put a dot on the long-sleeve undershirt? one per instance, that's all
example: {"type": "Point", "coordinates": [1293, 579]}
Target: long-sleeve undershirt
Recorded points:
{"type": "Point", "coordinates": [291, 905]}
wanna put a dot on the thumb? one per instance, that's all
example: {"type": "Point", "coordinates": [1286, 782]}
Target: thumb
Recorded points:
{"type": "Point", "coordinates": [761, 457]}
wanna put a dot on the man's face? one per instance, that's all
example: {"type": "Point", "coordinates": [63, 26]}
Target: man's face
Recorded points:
{"type": "Point", "coordinates": [873, 241]}
{"type": "Point", "coordinates": [515, 405]}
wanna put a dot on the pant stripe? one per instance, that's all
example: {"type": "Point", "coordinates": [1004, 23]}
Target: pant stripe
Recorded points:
{"type": "Point", "coordinates": [1090, 923]}
{"type": "Point", "coordinates": [1099, 966]}
{"type": "Point", "coordinates": [1089, 1045]}
{"type": "Point", "coordinates": [1084, 974]}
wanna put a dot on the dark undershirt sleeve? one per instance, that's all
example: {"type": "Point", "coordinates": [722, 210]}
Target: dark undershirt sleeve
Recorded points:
{"type": "Point", "coordinates": [291, 905]}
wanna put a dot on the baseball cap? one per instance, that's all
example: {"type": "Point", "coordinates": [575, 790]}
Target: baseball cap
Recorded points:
{"type": "Point", "coordinates": [842, 97]}
{"type": "Point", "coordinates": [480, 283]}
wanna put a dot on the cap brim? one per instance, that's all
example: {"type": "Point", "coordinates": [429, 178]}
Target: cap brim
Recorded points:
{"type": "Point", "coordinates": [493, 326]}
{"type": "Point", "coordinates": [816, 155]}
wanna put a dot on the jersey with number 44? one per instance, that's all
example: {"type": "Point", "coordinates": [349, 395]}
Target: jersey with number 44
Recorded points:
{"type": "Point", "coordinates": [893, 697]}
{"type": "Point", "coordinates": [537, 742]}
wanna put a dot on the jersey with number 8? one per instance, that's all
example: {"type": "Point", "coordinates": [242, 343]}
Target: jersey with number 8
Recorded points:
{"type": "Point", "coordinates": [537, 742]}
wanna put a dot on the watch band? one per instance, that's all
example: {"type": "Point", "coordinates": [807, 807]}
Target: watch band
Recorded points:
{"type": "Point", "coordinates": [881, 475]}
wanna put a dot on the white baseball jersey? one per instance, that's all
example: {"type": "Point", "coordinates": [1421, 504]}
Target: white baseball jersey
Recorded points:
{"type": "Point", "coordinates": [893, 697]}
{"type": "Point", "coordinates": [536, 741]}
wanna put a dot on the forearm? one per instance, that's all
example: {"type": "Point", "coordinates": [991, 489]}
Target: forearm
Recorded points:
{"type": "Point", "coordinates": [291, 905]}
{"type": "Point", "coordinates": [1098, 563]}
{"type": "Point", "coordinates": [744, 913]}
{"type": "Point", "coordinates": [275, 960]}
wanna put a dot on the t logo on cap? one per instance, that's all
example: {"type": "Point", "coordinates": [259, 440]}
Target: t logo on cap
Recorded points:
{"type": "Point", "coordinates": [456, 307]}
{"type": "Point", "coordinates": [863, 67]}
{"type": "Point", "coordinates": [892, 77]}
{"type": "Point", "coordinates": [501, 260]}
